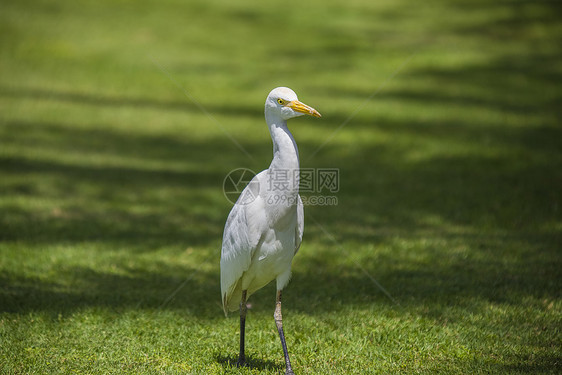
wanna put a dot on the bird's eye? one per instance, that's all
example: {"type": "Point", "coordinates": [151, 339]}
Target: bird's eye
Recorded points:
{"type": "Point", "coordinates": [281, 101]}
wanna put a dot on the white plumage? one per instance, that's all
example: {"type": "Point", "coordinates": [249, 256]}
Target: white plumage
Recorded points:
{"type": "Point", "coordinates": [264, 230]}
{"type": "Point", "coordinates": [259, 243]}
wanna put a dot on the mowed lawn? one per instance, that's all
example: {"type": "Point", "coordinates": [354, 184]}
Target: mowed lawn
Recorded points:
{"type": "Point", "coordinates": [119, 121]}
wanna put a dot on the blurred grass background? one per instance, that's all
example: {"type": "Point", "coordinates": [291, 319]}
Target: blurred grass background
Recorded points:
{"type": "Point", "coordinates": [111, 203]}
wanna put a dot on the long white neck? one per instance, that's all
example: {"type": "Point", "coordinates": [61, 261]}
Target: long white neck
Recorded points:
{"type": "Point", "coordinates": [285, 154]}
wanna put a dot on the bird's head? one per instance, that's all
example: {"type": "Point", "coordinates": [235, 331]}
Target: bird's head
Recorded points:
{"type": "Point", "coordinates": [283, 102]}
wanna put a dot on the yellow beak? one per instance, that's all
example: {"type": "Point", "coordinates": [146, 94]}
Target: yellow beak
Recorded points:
{"type": "Point", "coordinates": [297, 106]}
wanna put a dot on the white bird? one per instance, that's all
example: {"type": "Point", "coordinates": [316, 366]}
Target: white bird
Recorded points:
{"type": "Point", "coordinates": [264, 229]}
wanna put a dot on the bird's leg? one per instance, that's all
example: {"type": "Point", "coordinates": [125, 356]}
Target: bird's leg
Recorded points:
{"type": "Point", "coordinates": [243, 309]}
{"type": "Point", "coordinates": [279, 322]}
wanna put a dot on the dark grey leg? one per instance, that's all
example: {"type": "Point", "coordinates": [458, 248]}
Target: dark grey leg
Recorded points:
{"type": "Point", "coordinates": [243, 309]}
{"type": "Point", "coordinates": [279, 323]}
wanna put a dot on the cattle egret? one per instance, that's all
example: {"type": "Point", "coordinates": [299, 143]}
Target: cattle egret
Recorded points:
{"type": "Point", "coordinates": [264, 229]}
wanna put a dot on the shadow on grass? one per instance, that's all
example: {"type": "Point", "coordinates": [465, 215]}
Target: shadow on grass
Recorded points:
{"type": "Point", "coordinates": [252, 363]}
{"type": "Point", "coordinates": [540, 364]}
{"type": "Point", "coordinates": [79, 287]}
{"type": "Point", "coordinates": [136, 102]}
{"type": "Point", "coordinates": [502, 271]}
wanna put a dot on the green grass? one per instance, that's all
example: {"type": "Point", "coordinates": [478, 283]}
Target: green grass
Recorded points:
{"type": "Point", "coordinates": [111, 203]}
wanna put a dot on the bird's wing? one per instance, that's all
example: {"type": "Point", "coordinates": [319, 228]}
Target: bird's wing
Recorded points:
{"type": "Point", "coordinates": [242, 233]}
{"type": "Point", "coordinates": [300, 224]}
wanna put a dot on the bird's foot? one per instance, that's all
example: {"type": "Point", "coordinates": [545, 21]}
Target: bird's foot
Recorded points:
{"type": "Point", "coordinates": [289, 371]}
{"type": "Point", "coordinates": [241, 362]}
